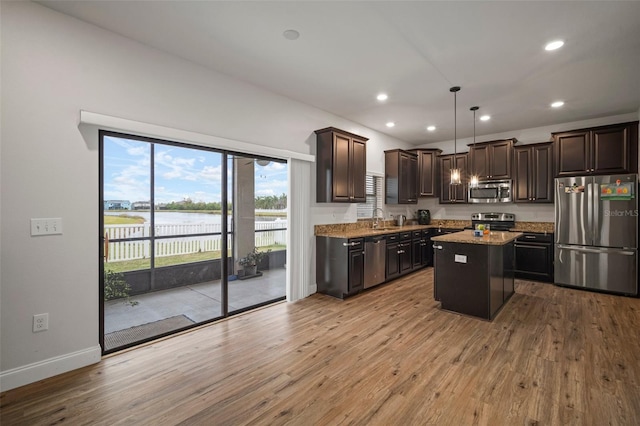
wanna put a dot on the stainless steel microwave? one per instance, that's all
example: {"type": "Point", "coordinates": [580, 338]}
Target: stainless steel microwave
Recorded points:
{"type": "Point", "coordinates": [492, 191]}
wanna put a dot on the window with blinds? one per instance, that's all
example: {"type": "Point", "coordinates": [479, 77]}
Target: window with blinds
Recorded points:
{"type": "Point", "coordinates": [374, 197]}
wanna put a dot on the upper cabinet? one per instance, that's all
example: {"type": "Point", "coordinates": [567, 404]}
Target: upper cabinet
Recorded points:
{"type": "Point", "coordinates": [533, 173]}
{"type": "Point", "coordinates": [453, 193]}
{"type": "Point", "coordinates": [341, 164]}
{"type": "Point", "coordinates": [491, 160]}
{"type": "Point", "coordinates": [427, 171]}
{"type": "Point", "coordinates": [400, 179]}
{"type": "Point", "coordinates": [598, 150]}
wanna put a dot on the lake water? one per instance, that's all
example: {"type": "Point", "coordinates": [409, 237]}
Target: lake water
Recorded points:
{"type": "Point", "coordinates": [165, 217]}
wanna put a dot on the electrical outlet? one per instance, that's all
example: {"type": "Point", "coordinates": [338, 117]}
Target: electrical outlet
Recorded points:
{"type": "Point", "coordinates": [40, 322]}
{"type": "Point", "coordinates": [49, 226]}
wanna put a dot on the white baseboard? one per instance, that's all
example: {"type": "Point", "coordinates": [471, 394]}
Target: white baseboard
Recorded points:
{"type": "Point", "coordinates": [31, 373]}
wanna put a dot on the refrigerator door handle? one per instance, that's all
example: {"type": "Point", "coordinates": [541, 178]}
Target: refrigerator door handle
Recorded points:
{"type": "Point", "coordinates": [595, 200]}
{"type": "Point", "coordinates": [590, 211]}
{"type": "Point", "coordinates": [596, 250]}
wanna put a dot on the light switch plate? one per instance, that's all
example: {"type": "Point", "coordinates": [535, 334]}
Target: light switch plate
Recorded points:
{"type": "Point", "coordinates": [46, 226]}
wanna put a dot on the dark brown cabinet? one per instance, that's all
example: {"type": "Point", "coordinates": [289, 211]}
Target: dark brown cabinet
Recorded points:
{"type": "Point", "coordinates": [533, 173]}
{"type": "Point", "coordinates": [598, 150]}
{"type": "Point", "coordinates": [339, 266]}
{"type": "Point", "coordinates": [491, 160]}
{"type": "Point", "coordinates": [341, 164]}
{"type": "Point", "coordinates": [452, 193]}
{"type": "Point", "coordinates": [420, 249]}
{"type": "Point", "coordinates": [356, 270]}
{"type": "Point", "coordinates": [392, 258]}
{"type": "Point", "coordinates": [399, 259]}
{"type": "Point", "coordinates": [400, 180]}
{"type": "Point", "coordinates": [427, 174]}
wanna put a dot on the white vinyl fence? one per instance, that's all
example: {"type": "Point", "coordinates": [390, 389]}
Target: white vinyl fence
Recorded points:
{"type": "Point", "coordinates": [130, 250]}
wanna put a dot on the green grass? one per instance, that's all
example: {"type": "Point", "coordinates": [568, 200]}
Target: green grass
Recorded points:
{"type": "Point", "coordinates": [123, 219]}
{"type": "Point", "coordinates": [134, 265]}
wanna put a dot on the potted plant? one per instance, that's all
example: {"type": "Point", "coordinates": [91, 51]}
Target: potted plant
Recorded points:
{"type": "Point", "coordinates": [250, 262]}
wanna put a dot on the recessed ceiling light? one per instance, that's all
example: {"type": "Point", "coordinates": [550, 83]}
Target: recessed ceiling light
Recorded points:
{"type": "Point", "coordinates": [557, 44]}
{"type": "Point", "coordinates": [382, 97]}
{"type": "Point", "coordinates": [391, 124]}
{"type": "Point", "coordinates": [431, 128]}
{"type": "Point", "coordinates": [291, 34]}
{"type": "Point", "coordinates": [557, 104]}
{"type": "Point", "coordinates": [485, 117]}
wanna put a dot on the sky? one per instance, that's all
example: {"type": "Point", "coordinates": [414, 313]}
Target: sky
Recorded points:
{"type": "Point", "coordinates": [180, 173]}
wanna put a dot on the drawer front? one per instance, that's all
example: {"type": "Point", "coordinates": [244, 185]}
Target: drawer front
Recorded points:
{"type": "Point", "coordinates": [392, 238]}
{"type": "Point", "coordinates": [356, 243]}
{"type": "Point", "coordinates": [405, 235]}
{"type": "Point", "coordinates": [536, 238]}
{"type": "Point", "coordinates": [417, 234]}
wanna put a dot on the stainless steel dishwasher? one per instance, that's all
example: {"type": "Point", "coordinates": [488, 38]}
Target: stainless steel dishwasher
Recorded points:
{"type": "Point", "coordinates": [374, 260]}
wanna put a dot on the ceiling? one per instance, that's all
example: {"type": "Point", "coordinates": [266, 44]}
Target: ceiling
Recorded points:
{"type": "Point", "coordinates": [348, 52]}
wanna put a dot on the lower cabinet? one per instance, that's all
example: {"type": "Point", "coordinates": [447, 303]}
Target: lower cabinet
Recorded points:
{"type": "Point", "coordinates": [339, 266]}
{"type": "Point", "coordinates": [534, 257]}
{"type": "Point", "coordinates": [399, 258]}
{"type": "Point", "coordinates": [421, 250]}
{"type": "Point", "coordinates": [340, 262]}
{"type": "Point", "coordinates": [416, 250]}
{"type": "Point", "coordinates": [392, 258]}
{"type": "Point", "coordinates": [355, 272]}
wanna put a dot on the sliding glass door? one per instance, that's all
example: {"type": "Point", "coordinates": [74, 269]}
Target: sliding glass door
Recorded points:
{"type": "Point", "coordinates": [259, 218]}
{"type": "Point", "coordinates": [180, 234]}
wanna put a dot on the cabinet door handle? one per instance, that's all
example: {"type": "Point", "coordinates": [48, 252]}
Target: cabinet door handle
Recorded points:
{"type": "Point", "coordinates": [350, 244]}
{"type": "Point", "coordinates": [437, 247]}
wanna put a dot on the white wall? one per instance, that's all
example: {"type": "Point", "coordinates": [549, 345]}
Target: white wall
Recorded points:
{"type": "Point", "coordinates": [53, 66]}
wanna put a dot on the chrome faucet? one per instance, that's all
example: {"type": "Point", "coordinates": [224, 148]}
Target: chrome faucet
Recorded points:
{"type": "Point", "coordinates": [375, 219]}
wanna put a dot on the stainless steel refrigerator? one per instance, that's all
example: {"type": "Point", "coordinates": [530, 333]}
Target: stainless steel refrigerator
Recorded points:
{"type": "Point", "coordinates": [596, 238]}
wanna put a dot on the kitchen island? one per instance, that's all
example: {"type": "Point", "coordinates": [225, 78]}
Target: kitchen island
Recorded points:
{"type": "Point", "coordinates": [474, 275]}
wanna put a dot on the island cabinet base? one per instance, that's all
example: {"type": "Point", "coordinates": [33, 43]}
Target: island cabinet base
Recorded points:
{"type": "Point", "coordinates": [474, 279]}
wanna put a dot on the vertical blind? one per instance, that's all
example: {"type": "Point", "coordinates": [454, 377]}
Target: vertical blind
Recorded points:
{"type": "Point", "coordinates": [374, 196]}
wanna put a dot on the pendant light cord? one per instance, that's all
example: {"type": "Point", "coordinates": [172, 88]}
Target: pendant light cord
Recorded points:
{"type": "Point", "coordinates": [455, 90]}
{"type": "Point", "coordinates": [455, 125]}
{"type": "Point", "coordinates": [473, 161]}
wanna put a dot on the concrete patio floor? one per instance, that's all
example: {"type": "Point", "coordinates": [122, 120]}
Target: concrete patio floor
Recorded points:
{"type": "Point", "coordinates": [198, 302]}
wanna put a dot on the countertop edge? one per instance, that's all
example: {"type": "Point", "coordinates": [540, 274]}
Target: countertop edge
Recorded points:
{"type": "Point", "coordinates": [496, 238]}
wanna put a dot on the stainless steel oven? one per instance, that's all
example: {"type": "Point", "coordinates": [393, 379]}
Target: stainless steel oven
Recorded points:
{"type": "Point", "coordinates": [493, 191]}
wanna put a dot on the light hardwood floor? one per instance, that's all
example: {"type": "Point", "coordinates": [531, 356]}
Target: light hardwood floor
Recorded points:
{"type": "Point", "coordinates": [552, 356]}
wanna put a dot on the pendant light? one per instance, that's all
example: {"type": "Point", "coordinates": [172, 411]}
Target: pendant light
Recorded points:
{"type": "Point", "coordinates": [473, 181]}
{"type": "Point", "coordinates": [455, 172]}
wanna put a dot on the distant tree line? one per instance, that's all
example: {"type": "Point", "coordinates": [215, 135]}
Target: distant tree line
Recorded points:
{"type": "Point", "coordinates": [187, 204]}
{"type": "Point", "coordinates": [270, 202]}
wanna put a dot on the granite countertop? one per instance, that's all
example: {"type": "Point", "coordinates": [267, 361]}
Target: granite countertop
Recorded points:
{"type": "Point", "coordinates": [367, 232]}
{"type": "Point", "coordinates": [362, 228]}
{"type": "Point", "coordinates": [495, 238]}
